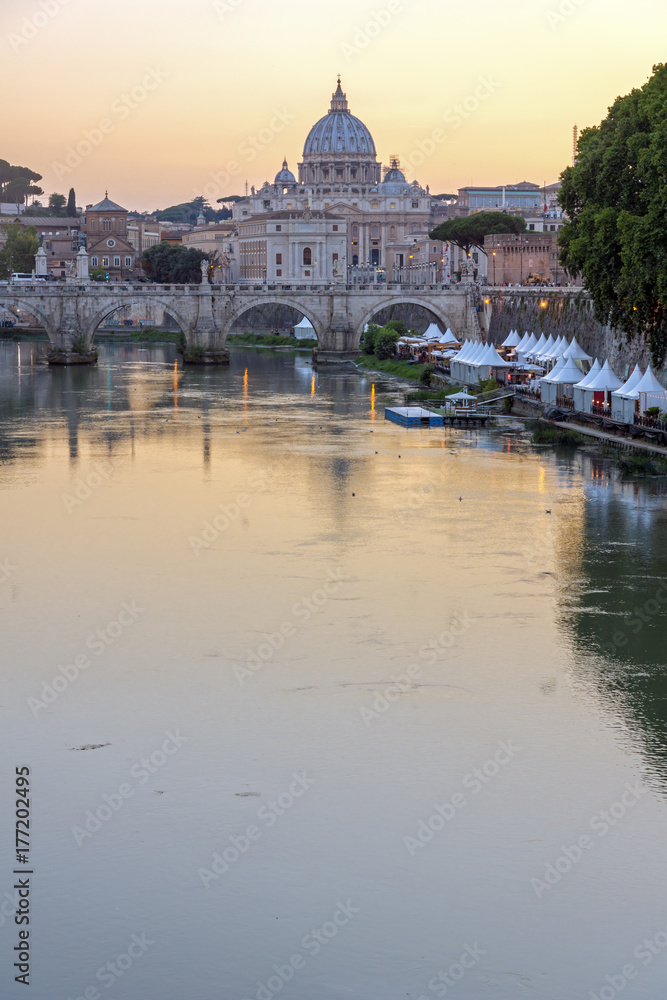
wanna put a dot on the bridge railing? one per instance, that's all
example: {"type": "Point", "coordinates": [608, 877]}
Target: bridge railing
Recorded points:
{"type": "Point", "coordinates": [55, 289]}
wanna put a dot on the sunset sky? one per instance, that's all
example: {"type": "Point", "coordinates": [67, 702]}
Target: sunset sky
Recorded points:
{"type": "Point", "coordinates": [501, 83]}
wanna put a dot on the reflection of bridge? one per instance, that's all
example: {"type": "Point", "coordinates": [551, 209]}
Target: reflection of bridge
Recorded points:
{"type": "Point", "coordinates": [206, 313]}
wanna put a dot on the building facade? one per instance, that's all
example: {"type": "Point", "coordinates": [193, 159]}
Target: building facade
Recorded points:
{"type": "Point", "coordinates": [108, 244]}
{"type": "Point", "coordinates": [339, 175]}
{"type": "Point", "coordinates": [293, 247]}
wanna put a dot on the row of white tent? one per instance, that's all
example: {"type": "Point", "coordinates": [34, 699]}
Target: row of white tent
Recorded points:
{"type": "Point", "coordinates": [476, 360]}
{"type": "Point", "coordinates": [545, 350]}
{"type": "Point", "coordinates": [637, 394]}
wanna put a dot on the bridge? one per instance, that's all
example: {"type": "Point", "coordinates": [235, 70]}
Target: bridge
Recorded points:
{"type": "Point", "coordinates": [339, 313]}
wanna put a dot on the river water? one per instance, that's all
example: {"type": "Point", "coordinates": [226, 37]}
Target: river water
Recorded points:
{"type": "Point", "coordinates": [363, 719]}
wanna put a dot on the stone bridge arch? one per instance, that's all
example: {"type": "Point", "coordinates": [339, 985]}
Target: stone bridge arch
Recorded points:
{"type": "Point", "coordinates": [293, 302]}
{"type": "Point", "coordinates": [46, 319]}
{"type": "Point", "coordinates": [441, 315]}
{"type": "Point", "coordinates": [152, 301]}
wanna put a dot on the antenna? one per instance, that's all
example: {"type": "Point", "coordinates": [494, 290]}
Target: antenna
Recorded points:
{"type": "Point", "coordinates": [246, 189]}
{"type": "Point", "coordinates": [575, 143]}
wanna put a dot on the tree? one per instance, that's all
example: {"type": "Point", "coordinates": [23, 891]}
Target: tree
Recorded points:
{"type": "Point", "coordinates": [616, 200]}
{"type": "Point", "coordinates": [18, 253]}
{"type": "Point", "coordinates": [9, 173]}
{"type": "Point", "coordinates": [71, 204]}
{"type": "Point", "coordinates": [368, 340]}
{"type": "Point", "coordinates": [470, 230]}
{"type": "Point", "coordinates": [57, 203]}
{"type": "Point", "coordinates": [17, 190]}
{"type": "Point", "coordinates": [385, 344]}
{"type": "Point", "coordinates": [167, 264]}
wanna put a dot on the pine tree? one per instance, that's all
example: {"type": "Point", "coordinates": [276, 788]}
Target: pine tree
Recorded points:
{"type": "Point", "coordinates": [71, 204]}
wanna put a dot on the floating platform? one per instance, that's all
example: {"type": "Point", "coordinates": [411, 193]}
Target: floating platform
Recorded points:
{"type": "Point", "coordinates": [413, 416]}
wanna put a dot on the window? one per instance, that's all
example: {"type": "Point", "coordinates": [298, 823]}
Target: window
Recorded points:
{"type": "Point", "coordinates": [116, 262]}
{"type": "Point", "coordinates": [307, 256]}
{"type": "Point", "coordinates": [279, 274]}
{"type": "Point", "coordinates": [392, 204]}
{"type": "Point", "coordinates": [374, 204]}
{"type": "Point", "coordinates": [335, 229]}
{"type": "Point", "coordinates": [375, 232]}
{"type": "Point", "coordinates": [106, 225]}
{"type": "Point", "coordinates": [128, 262]}
{"type": "Point", "coordinates": [307, 274]}
{"type": "Point", "coordinates": [267, 204]}
{"type": "Point", "coordinates": [105, 261]}
{"type": "Point", "coordinates": [279, 258]}
{"type": "Point", "coordinates": [415, 203]}
{"type": "Point", "coordinates": [355, 230]}
{"type": "Point", "coordinates": [94, 262]}
{"type": "Point", "coordinates": [355, 259]}
{"type": "Point", "coordinates": [279, 229]}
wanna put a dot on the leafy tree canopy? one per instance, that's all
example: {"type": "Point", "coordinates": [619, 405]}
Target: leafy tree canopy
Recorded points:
{"type": "Point", "coordinates": [189, 211]}
{"type": "Point", "coordinates": [470, 230]}
{"type": "Point", "coordinates": [616, 200]}
{"type": "Point", "coordinates": [71, 203]}
{"type": "Point", "coordinates": [18, 253]}
{"type": "Point", "coordinates": [168, 264]}
{"type": "Point", "coordinates": [9, 174]}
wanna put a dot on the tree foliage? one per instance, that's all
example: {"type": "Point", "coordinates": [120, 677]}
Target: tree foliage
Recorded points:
{"type": "Point", "coordinates": [177, 265]}
{"type": "Point", "coordinates": [470, 230]}
{"type": "Point", "coordinates": [189, 211]}
{"type": "Point", "coordinates": [385, 343]}
{"type": "Point", "coordinates": [71, 203]}
{"type": "Point", "coordinates": [18, 253]}
{"type": "Point", "coordinates": [57, 203]}
{"type": "Point", "coordinates": [616, 200]}
{"type": "Point", "coordinates": [10, 174]}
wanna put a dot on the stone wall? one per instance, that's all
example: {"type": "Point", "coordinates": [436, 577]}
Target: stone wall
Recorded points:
{"type": "Point", "coordinates": [568, 313]}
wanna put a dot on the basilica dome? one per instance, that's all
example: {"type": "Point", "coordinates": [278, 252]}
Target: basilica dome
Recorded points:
{"type": "Point", "coordinates": [339, 132]}
{"type": "Point", "coordinates": [285, 176]}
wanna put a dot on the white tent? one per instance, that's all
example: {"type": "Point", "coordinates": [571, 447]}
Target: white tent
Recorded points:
{"type": "Point", "coordinates": [647, 392]}
{"type": "Point", "coordinates": [548, 390]}
{"type": "Point", "coordinates": [576, 352]}
{"type": "Point", "coordinates": [529, 346]}
{"type": "Point", "coordinates": [304, 330]}
{"type": "Point", "coordinates": [449, 337]}
{"type": "Point", "coordinates": [561, 383]}
{"type": "Point", "coordinates": [599, 389]}
{"type": "Point", "coordinates": [433, 333]}
{"type": "Point", "coordinates": [520, 347]}
{"type": "Point", "coordinates": [548, 347]}
{"type": "Point", "coordinates": [580, 386]}
{"type": "Point", "coordinates": [539, 347]}
{"type": "Point", "coordinates": [511, 340]}
{"type": "Point", "coordinates": [619, 409]}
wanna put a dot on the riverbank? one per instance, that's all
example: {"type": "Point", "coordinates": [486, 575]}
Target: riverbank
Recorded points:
{"type": "Point", "coordinates": [390, 366]}
{"type": "Point", "coordinates": [269, 340]}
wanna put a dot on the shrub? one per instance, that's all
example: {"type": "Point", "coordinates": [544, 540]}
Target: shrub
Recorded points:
{"type": "Point", "coordinates": [79, 346]}
{"type": "Point", "coordinates": [385, 344]}
{"type": "Point", "coordinates": [547, 434]}
{"type": "Point", "coordinates": [368, 342]}
{"type": "Point", "coordinates": [427, 373]}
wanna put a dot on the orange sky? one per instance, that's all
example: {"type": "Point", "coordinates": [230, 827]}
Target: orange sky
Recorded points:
{"type": "Point", "coordinates": [160, 96]}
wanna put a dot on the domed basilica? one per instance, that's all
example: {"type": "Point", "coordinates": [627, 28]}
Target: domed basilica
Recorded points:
{"type": "Point", "coordinates": [355, 217]}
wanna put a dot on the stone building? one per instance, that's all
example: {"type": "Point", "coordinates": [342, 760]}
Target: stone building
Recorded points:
{"type": "Point", "coordinates": [59, 235]}
{"type": "Point", "coordinates": [513, 258]}
{"type": "Point", "coordinates": [292, 246]}
{"type": "Point", "coordinates": [218, 241]}
{"type": "Point", "coordinates": [109, 244]}
{"type": "Point", "coordinates": [340, 175]}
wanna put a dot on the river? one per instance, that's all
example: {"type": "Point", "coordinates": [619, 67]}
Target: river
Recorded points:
{"type": "Point", "coordinates": [319, 707]}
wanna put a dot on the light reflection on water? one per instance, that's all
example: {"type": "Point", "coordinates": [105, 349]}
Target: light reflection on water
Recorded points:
{"type": "Point", "coordinates": [222, 502]}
